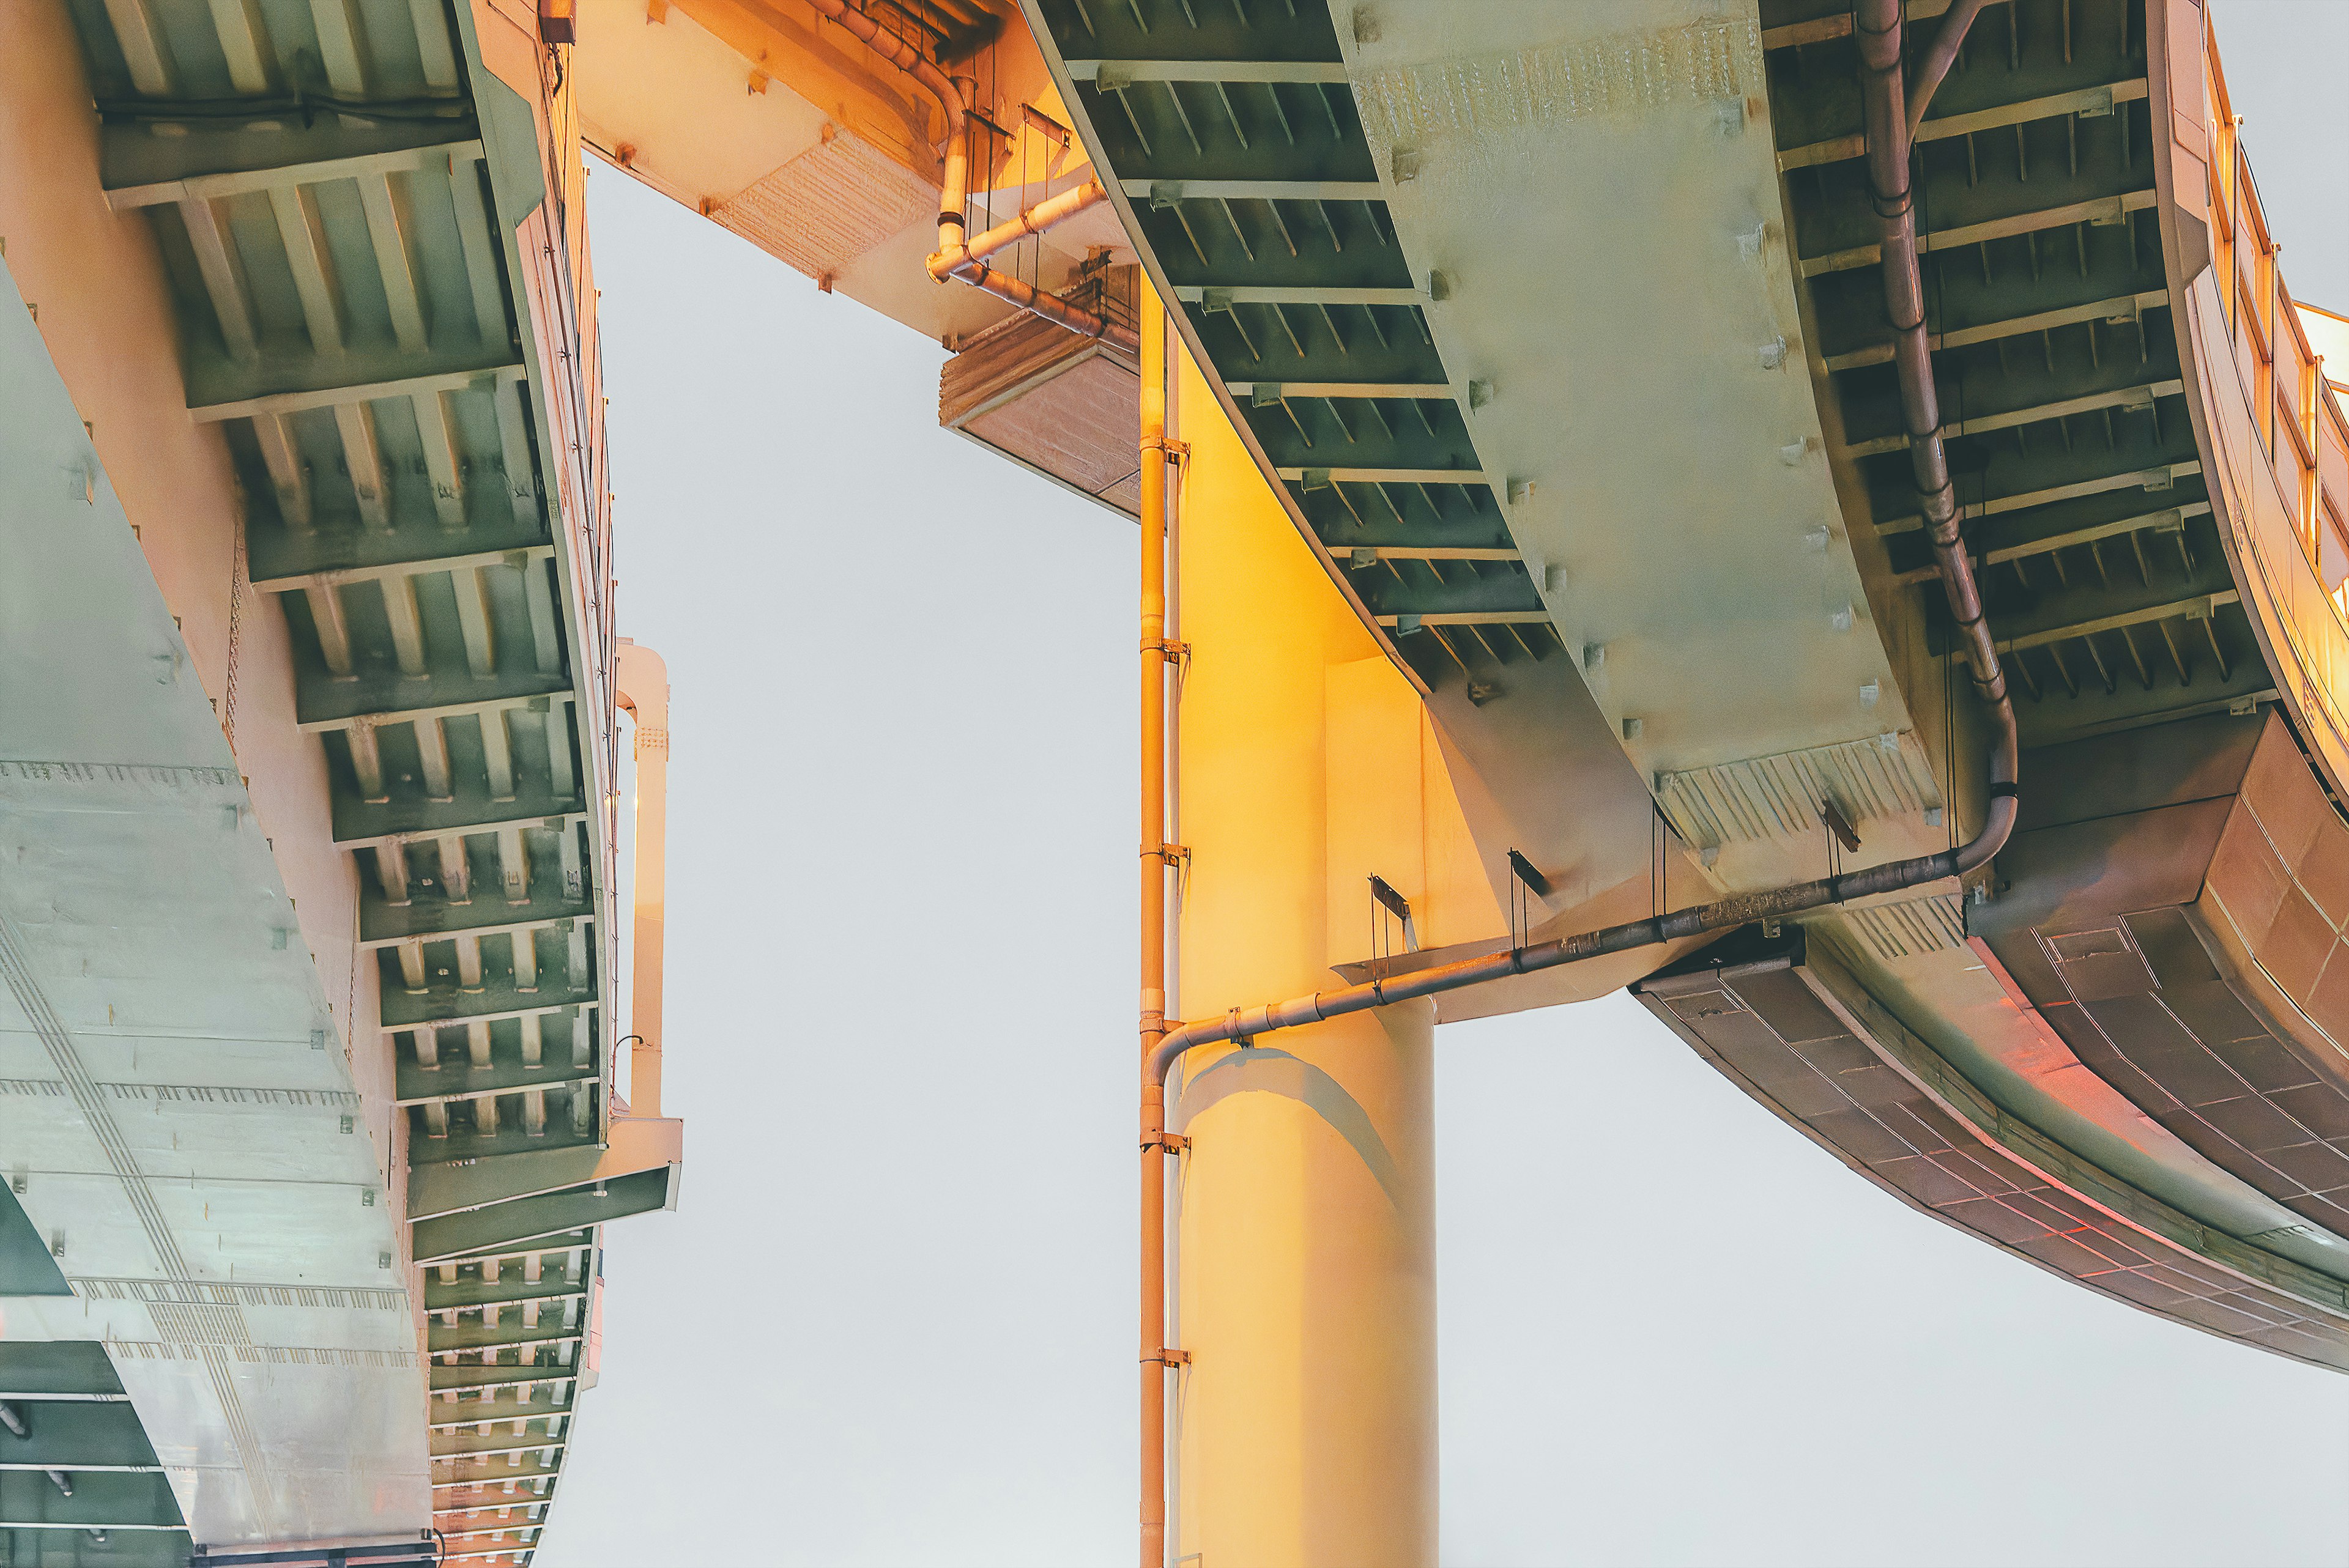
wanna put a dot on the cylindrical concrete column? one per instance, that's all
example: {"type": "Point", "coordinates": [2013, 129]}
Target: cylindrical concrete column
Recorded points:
{"type": "Point", "coordinates": [1305, 1413]}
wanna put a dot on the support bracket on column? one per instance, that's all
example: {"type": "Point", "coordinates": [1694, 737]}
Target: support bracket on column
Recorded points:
{"type": "Point", "coordinates": [1171, 1358]}
{"type": "Point", "coordinates": [1167, 1143]}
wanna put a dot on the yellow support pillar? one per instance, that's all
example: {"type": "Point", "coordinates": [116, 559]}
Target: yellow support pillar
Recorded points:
{"type": "Point", "coordinates": [1306, 1284]}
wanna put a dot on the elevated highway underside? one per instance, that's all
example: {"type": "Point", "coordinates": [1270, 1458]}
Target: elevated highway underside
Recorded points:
{"type": "Point", "coordinates": [309, 921]}
{"type": "Point", "coordinates": [1547, 553]}
{"type": "Point", "coordinates": [1561, 334]}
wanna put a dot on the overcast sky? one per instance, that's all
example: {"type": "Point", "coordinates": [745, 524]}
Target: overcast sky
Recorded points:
{"type": "Point", "coordinates": [891, 1322]}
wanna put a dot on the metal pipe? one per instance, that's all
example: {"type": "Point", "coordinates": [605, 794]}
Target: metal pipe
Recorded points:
{"type": "Point", "coordinates": [1879, 32]}
{"type": "Point", "coordinates": [1935, 62]}
{"type": "Point", "coordinates": [1154, 930]}
{"type": "Point", "coordinates": [946, 263]}
{"type": "Point", "coordinates": [952, 258]}
{"type": "Point", "coordinates": [894, 49]}
{"type": "Point", "coordinates": [1050, 305]}
{"type": "Point", "coordinates": [641, 687]}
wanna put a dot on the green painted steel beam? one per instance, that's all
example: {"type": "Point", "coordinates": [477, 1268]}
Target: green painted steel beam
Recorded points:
{"type": "Point", "coordinates": [383, 924]}
{"type": "Point", "coordinates": [444, 1413]}
{"type": "Point", "coordinates": [442, 1339]}
{"type": "Point", "coordinates": [446, 1446]}
{"type": "Point", "coordinates": [506, 1224]}
{"type": "Point", "coordinates": [477, 1169]}
{"type": "Point", "coordinates": [101, 1499]}
{"type": "Point", "coordinates": [498, 997]}
{"type": "Point", "coordinates": [2196, 607]}
{"type": "Point", "coordinates": [441, 1295]}
{"type": "Point", "coordinates": [1215, 295]}
{"type": "Point", "coordinates": [2121, 400]}
{"type": "Point", "coordinates": [133, 156]}
{"type": "Point", "coordinates": [26, 1265]}
{"type": "Point", "coordinates": [2101, 210]}
{"type": "Point", "coordinates": [1389, 476]}
{"type": "Point", "coordinates": [1276, 390]}
{"type": "Point", "coordinates": [537, 1168]}
{"type": "Point", "coordinates": [56, 1368]}
{"type": "Point", "coordinates": [223, 391]}
{"type": "Point", "coordinates": [1160, 192]}
{"type": "Point", "coordinates": [133, 1548]}
{"type": "Point", "coordinates": [323, 702]}
{"type": "Point", "coordinates": [465, 1477]}
{"type": "Point", "coordinates": [77, 1435]}
{"type": "Point", "coordinates": [469, 812]}
{"type": "Point", "coordinates": [434, 147]}
{"type": "Point", "coordinates": [459, 1079]}
{"type": "Point", "coordinates": [2158, 479]}
{"type": "Point", "coordinates": [470, 1375]}
{"type": "Point", "coordinates": [1110, 75]}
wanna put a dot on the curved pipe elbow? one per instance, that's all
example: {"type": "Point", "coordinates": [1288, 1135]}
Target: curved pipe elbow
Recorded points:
{"type": "Point", "coordinates": [2005, 766]}
{"type": "Point", "coordinates": [957, 260]}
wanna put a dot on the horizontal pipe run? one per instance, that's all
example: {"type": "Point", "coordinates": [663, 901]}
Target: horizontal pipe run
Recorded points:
{"type": "Point", "coordinates": [952, 262]}
{"type": "Point", "coordinates": [1741, 909]}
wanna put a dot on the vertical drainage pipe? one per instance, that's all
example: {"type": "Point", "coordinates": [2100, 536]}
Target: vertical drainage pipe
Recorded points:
{"type": "Point", "coordinates": [1153, 928]}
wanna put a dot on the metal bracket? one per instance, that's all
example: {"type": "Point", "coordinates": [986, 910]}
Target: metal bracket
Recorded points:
{"type": "Point", "coordinates": [1173, 854]}
{"type": "Point", "coordinates": [1169, 1143]}
{"type": "Point", "coordinates": [1839, 825]}
{"type": "Point", "coordinates": [1171, 1358]}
